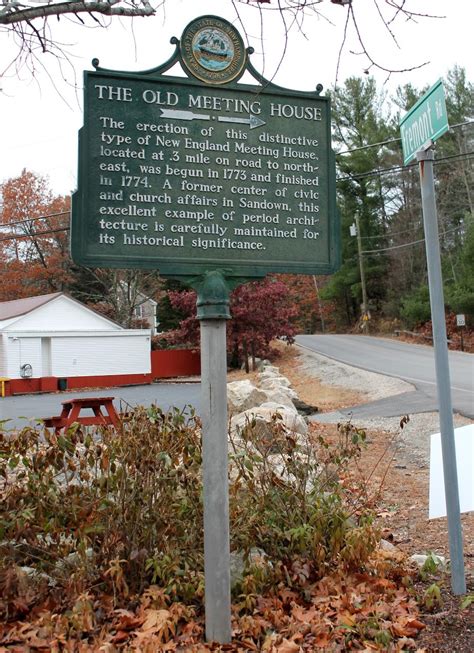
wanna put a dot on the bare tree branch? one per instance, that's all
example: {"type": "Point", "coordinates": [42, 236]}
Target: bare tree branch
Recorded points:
{"type": "Point", "coordinates": [374, 63]}
{"type": "Point", "coordinates": [15, 12]}
{"type": "Point", "coordinates": [29, 22]}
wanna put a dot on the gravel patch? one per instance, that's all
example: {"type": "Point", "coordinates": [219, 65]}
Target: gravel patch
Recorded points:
{"type": "Point", "coordinates": [412, 442]}
{"type": "Point", "coordinates": [332, 372]}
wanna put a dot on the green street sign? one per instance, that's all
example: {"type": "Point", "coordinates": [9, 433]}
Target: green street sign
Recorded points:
{"type": "Point", "coordinates": [191, 174]}
{"type": "Point", "coordinates": [426, 120]}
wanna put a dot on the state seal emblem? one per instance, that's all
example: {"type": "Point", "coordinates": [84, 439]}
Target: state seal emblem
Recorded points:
{"type": "Point", "coordinates": [212, 50]}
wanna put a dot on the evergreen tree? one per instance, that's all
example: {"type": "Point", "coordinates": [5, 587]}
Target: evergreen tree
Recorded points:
{"type": "Point", "coordinates": [360, 121]}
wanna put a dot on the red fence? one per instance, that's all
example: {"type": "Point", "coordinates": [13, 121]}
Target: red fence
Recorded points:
{"type": "Point", "coordinates": [165, 364]}
{"type": "Point", "coordinates": [168, 363]}
{"type": "Point", "coordinates": [53, 383]}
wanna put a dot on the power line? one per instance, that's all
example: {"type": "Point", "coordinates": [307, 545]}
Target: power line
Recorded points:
{"type": "Point", "coordinates": [40, 217]}
{"type": "Point", "coordinates": [387, 249]}
{"type": "Point", "coordinates": [395, 140]}
{"type": "Point", "coordinates": [366, 147]}
{"type": "Point", "coordinates": [37, 233]}
{"type": "Point", "coordinates": [465, 155]}
{"type": "Point", "coordinates": [368, 251]}
{"type": "Point", "coordinates": [391, 234]}
{"type": "Point", "coordinates": [414, 242]}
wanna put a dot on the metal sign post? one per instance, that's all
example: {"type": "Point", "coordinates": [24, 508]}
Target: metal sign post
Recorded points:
{"type": "Point", "coordinates": [426, 121]}
{"type": "Point", "coordinates": [461, 323]}
{"type": "Point", "coordinates": [458, 580]}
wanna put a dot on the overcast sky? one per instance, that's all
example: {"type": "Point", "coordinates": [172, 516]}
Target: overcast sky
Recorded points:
{"type": "Point", "coordinates": [41, 114]}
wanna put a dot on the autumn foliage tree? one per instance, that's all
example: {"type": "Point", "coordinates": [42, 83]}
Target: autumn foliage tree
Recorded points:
{"type": "Point", "coordinates": [34, 237]}
{"type": "Point", "coordinates": [261, 311]}
{"type": "Point", "coordinates": [313, 314]}
{"type": "Point", "coordinates": [35, 258]}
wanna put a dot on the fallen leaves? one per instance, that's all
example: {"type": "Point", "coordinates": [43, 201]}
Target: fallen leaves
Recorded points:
{"type": "Point", "coordinates": [361, 609]}
{"type": "Point", "coordinates": [407, 627]}
{"type": "Point", "coordinates": [159, 625]}
{"type": "Point", "coordinates": [288, 647]}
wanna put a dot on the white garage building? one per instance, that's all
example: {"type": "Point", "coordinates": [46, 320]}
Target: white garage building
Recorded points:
{"type": "Point", "coordinates": [53, 341]}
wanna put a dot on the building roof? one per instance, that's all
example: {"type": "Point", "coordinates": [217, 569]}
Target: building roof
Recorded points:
{"type": "Point", "coordinates": [18, 307]}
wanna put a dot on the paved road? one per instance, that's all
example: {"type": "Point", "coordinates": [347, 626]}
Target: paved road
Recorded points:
{"type": "Point", "coordinates": [19, 410]}
{"type": "Point", "coordinates": [412, 363]}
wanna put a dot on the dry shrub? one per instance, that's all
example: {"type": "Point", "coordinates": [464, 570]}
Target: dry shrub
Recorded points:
{"type": "Point", "coordinates": [114, 508]}
{"type": "Point", "coordinates": [119, 510]}
{"type": "Point", "coordinates": [288, 501]}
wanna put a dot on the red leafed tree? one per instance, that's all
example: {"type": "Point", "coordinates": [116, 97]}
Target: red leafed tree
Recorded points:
{"type": "Point", "coordinates": [313, 314]}
{"type": "Point", "coordinates": [34, 237]}
{"type": "Point", "coordinates": [261, 311]}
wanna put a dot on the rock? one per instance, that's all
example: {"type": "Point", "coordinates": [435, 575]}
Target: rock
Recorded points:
{"type": "Point", "coordinates": [274, 384]}
{"type": "Point", "coordinates": [421, 558]}
{"type": "Point", "coordinates": [290, 418]}
{"type": "Point", "coordinates": [278, 407]}
{"type": "Point", "coordinates": [268, 367]}
{"type": "Point", "coordinates": [265, 424]}
{"type": "Point", "coordinates": [256, 558]}
{"type": "Point", "coordinates": [237, 568]}
{"type": "Point", "coordinates": [242, 395]}
{"type": "Point", "coordinates": [279, 395]}
{"type": "Point", "coordinates": [75, 559]}
{"type": "Point", "coordinates": [385, 545]}
{"type": "Point", "coordinates": [277, 378]}
{"type": "Point", "coordinates": [28, 571]}
{"type": "Point", "coordinates": [303, 408]}
{"type": "Point", "coordinates": [252, 366]}
{"type": "Point", "coordinates": [39, 576]}
{"type": "Point", "coordinates": [253, 410]}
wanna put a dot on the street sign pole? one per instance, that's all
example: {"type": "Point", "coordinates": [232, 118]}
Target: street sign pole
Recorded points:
{"type": "Point", "coordinates": [213, 312]}
{"type": "Point", "coordinates": [425, 158]}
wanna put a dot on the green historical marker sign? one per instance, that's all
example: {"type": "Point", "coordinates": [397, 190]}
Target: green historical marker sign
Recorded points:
{"type": "Point", "coordinates": [427, 120]}
{"type": "Point", "coordinates": [216, 181]}
{"type": "Point", "coordinates": [186, 175]}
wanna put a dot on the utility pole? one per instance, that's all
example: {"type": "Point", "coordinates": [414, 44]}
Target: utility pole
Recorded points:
{"type": "Point", "coordinates": [365, 308]}
{"type": "Point", "coordinates": [320, 308]}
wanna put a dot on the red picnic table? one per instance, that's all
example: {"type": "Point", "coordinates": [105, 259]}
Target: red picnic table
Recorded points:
{"type": "Point", "coordinates": [72, 409]}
